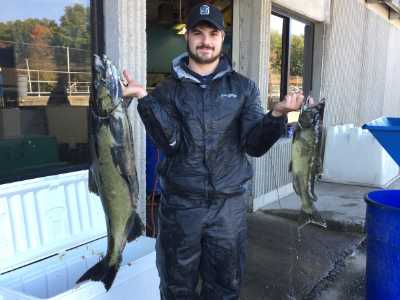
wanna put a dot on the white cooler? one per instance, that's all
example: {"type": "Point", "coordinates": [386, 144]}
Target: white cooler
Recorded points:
{"type": "Point", "coordinates": [353, 156]}
{"type": "Point", "coordinates": [52, 230]}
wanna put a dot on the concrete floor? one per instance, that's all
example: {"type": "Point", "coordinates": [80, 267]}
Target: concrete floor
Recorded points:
{"type": "Point", "coordinates": [286, 264]}
{"type": "Point", "coordinates": [348, 282]}
{"type": "Point", "coordinates": [313, 263]}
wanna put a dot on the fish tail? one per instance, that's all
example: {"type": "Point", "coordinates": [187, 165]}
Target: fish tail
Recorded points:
{"type": "Point", "coordinates": [109, 276]}
{"type": "Point", "coordinates": [136, 229]}
{"type": "Point", "coordinates": [101, 272]}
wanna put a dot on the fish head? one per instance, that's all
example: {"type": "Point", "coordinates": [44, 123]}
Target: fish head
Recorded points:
{"type": "Point", "coordinates": [311, 113]}
{"type": "Point", "coordinates": [107, 76]}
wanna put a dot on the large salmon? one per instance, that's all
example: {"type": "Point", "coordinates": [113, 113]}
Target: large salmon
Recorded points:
{"type": "Point", "coordinates": [113, 172]}
{"type": "Point", "coordinates": [306, 158]}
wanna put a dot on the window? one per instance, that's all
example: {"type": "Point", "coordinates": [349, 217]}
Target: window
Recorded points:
{"type": "Point", "coordinates": [290, 61]}
{"type": "Point", "coordinates": [165, 39]}
{"type": "Point", "coordinates": [45, 83]}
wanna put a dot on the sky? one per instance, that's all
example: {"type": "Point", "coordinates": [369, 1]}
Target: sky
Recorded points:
{"type": "Point", "coordinates": [24, 9]}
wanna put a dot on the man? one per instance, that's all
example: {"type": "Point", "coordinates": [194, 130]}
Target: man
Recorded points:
{"type": "Point", "coordinates": [205, 117]}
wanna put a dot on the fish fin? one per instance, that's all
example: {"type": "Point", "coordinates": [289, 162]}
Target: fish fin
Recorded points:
{"type": "Point", "coordinates": [101, 272]}
{"type": "Point", "coordinates": [290, 166]}
{"type": "Point", "coordinates": [94, 273]}
{"type": "Point", "coordinates": [109, 276]}
{"type": "Point", "coordinates": [137, 228]}
{"type": "Point", "coordinates": [92, 184]}
{"type": "Point", "coordinates": [296, 185]}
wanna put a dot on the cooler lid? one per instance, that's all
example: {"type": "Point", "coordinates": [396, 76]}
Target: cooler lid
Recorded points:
{"type": "Point", "coordinates": [44, 216]}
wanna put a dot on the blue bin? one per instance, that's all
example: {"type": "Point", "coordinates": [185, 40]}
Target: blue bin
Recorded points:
{"type": "Point", "coordinates": [387, 133]}
{"type": "Point", "coordinates": [153, 157]}
{"type": "Point", "coordinates": [383, 245]}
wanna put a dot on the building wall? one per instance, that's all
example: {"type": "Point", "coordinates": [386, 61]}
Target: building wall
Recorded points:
{"type": "Point", "coordinates": [317, 10]}
{"type": "Point", "coordinates": [391, 105]}
{"type": "Point", "coordinates": [250, 57]}
{"type": "Point", "coordinates": [356, 67]}
{"type": "Point", "coordinates": [360, 65]}
{"type": "Point", "coordinates": [125, 37]}
{"type": "Point", "coordinates": [251, 40]}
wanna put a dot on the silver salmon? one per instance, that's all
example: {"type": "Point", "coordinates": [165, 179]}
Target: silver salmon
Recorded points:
{"type": "Point", "coordinates": [306, 158]}
{"type": "Point", "coordinates": [112, 173]}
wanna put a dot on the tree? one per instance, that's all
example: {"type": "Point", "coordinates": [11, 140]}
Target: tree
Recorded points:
{"type": "Point", "coordinates": [43, 42]}
{"type": "Point", "coordinates": [276, 52]}
{"type": "Point", "coordinates": [296, 55]}
{"type": "Point", "coordinates": [40, 53]}
{"type": "Point", "coordinates": [21, 33]}
{"type": "Point", "coordinates": [6, 31]}
{"type": "Point", "coordinates": [74, 32]}
{"type": "Point", "coordinates": [74, 27]}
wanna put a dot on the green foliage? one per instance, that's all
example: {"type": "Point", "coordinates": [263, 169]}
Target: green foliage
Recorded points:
{"type": "Point", "coordinates": [43, 41]}
{"type": "Point", "coordinates": [6, 31]}
{"type": "Point", "coordinates": [296, 53]}
{"type": "Point", "coordinates": [276, 52]}
{"type": "Point", "coordinates": [74, 27]}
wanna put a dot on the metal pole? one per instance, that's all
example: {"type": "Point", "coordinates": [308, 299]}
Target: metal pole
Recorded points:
{"type": "Point", "coordinates": [29, 75]}
{"type": "Point", "coordinates": [69, 74]}
{"type": "Point", "coordinates": [38, 82]}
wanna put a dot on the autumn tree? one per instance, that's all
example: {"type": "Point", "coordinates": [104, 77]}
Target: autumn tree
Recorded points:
{"type": "Point", "coordinates": [40, 54]}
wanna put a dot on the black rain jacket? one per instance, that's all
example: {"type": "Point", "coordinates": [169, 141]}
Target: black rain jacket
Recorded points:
{"type": "Point", "coordinates": [206, 131]}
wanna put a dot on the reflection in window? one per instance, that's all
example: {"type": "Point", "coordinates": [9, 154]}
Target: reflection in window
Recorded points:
{"type": "Point", "coordinates": [45, 83]}
{"type": "Point", "coordinates": [286, 65]}
{"type": "Point", "coordinates": [296, 61]}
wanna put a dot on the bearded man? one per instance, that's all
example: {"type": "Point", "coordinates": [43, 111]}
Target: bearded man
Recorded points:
{"type": "Point", "coordinates": [206, 118]}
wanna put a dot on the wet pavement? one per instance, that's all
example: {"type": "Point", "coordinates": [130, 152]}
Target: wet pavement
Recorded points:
{"type": "Point", "coordinates": [284, 263]}
{"type": "Point", "coordinates": [348, 283]}
{"type": "Point", "coordinates": [313, 263]}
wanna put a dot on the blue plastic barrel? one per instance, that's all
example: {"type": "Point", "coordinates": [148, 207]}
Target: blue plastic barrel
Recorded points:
{"type": "Point", "coordinates": [383, 245]}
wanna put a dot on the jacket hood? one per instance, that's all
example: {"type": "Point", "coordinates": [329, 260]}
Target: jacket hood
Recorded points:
{"type": "Point", "coordinates": [178, 68]}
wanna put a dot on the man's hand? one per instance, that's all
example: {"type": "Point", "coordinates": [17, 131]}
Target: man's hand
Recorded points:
{"type": "Point", "coordinates": [291, 102]}
{"type": "Point", "coordinates": [132, 88]}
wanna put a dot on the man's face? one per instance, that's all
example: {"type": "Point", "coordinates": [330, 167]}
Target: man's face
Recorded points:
{"type": "Point", "coordinates": [204, 43]}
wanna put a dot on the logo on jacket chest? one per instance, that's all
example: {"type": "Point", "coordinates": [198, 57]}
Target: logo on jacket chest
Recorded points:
{"type": "Point", "coordinates": [230, 95]}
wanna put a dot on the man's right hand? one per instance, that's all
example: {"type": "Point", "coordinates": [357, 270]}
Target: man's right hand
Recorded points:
{"type": "Point", "coordinates": [132, 88]}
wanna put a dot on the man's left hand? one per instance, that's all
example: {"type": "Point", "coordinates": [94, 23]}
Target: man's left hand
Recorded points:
{"type": "Point", "coordinates": [291, 102]}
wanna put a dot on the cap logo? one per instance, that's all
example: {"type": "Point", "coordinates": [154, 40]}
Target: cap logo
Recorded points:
{"type": "Point", "coordinates": [204, 10]}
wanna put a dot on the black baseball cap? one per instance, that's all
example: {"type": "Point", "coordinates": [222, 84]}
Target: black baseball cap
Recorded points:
{"type": "Point", "coordinates": [205, 13]}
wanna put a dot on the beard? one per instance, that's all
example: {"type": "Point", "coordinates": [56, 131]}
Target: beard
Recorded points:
{"type": "Point", "coordinates": [203, 60]}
